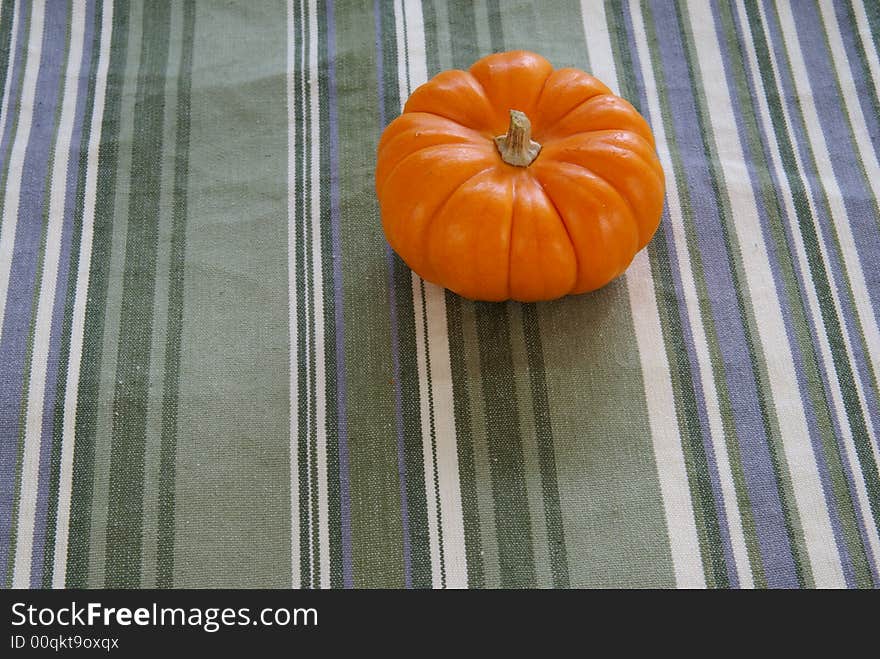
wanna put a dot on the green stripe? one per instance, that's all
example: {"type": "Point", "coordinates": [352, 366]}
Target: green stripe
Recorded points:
{"type": "Point", "coordinates": [125, 513]}
{"type": "Point", "coordinates": [171, 386]}
{"type": "Point", "coordinates": [376, 528]}
{"type": "Point", "coordinates": [80, 527]}
{"type": "Point", "coordinates": [302, 359]}
{"type": "Point", "coordinates": [7, 27]}
{"type": "Point", "coordinates": [108, 381]}
{"type": "Point", "coordinates": [503, 427]}
{"type": "Point", "coordinates": [869, 89]}
{"type": "Point", "coordinates": [14, 102]}
{"type": "Point", "coordinates": [546, 453]}
{"type": "Point", "coordinates": [696, 462]}
{"type": "Point", "coordinates": [531, 459]}
{"type": "Point", "coordinates": [504, 442]}
{"type": "Point", "coordinates": [69, 298]}
{"type": "Point", "coordinates": [465, 441]}
{"type": "Point", "coordinates": [232, 517]}
{"type": "Point", "coordinates": [155, 402]}
{"type": "Point", "coordinates": [485, 502]}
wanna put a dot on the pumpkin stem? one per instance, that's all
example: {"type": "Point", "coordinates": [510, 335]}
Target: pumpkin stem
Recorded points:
{"type": "Point", "coordinates": [517, 147]}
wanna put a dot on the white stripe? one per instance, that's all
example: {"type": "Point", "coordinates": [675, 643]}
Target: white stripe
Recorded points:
{"type": "Point", "coordinates": [793, 426]}
{"type": "Point", "coordinates": [436, 344]}
{"type": "Point", "coordinates": [692, 303]}
{"type": "Point", "coordinates": [79, 308]}
{"type": "Point", "coordinates": [427, 450]}
{"type": "Point", "coordinates": [307, 308]}
{"type": "Point", "coordinates": [317, 270]}
{"type": "Point", "coordinates": [814, 547]}
{"type": "Point", "coordinates": [421, 347]}
{"type": "Point", "coordinates": [30, 470]}
{"type": "Point", "coordinates": [292, 99]}
{"type": "Point", "coordinates": [19, 147]}
{"type": "Point", "coordinates": [677, 505]}
{"type": "Point", "coordinates": [867, 42]}
{"type": "Point", "coordinates": [10, 67]}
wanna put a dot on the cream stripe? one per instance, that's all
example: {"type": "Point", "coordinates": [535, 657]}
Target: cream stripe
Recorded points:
{"type": "Point", "coordinates": [308, 305]}
{"type": "Point", "coordinates": [800, 251]}
{"type": "Point", "coordinates": [10, 66]}
{"type": "Point", "coordinates": [713, 411]}
{"type": "Point", "coordinates": [660, 399]}
{"type": "Point", "coordinates": [421, 342]}
{"type": "Point", "coordinates": [317, 270]}
{"type": "Point", "coordinates": [436, 346]}
{"type": "Point", "coordinates": [427, 452]}
{"type": "Point", "coordinates": [15, 164]}
{"type": "Point", "coordinates": [30, 471]}
{"type": "Point", "coordinates": [79, 308]}
{"type": "Point", "coordinates": [292, 219]}
{"type": "Point", "coordinates": [793, 428]}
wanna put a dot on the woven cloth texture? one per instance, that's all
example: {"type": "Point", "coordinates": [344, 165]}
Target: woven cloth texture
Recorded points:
{"type": "Point", "coordinates": [215, 372]}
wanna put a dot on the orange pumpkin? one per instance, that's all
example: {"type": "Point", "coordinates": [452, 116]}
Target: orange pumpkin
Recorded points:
{"type": "Point", "coordinates": [515, 180]}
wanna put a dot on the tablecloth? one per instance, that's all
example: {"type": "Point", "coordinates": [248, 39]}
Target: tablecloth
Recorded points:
{"type": "Point", "coordinates": [215, 372]}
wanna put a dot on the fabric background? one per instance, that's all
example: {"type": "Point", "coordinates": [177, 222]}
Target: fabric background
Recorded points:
{"type": "Point", "coordinates": [214, 372]}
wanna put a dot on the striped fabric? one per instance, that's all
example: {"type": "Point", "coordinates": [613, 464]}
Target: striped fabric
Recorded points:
{"type": "Point", "coordinates": [214, 371]}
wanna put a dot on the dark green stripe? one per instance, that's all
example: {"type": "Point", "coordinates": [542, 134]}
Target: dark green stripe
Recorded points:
{"type": "Point", "coordinates": [696, 463]}
{"type": "Point", "coordinates": [817, 268]}
{"type": "Point", "coordinates": [125, 511]}
{"type": "Point", "coordinates": [14, 101]}
{"type": "Point", "coordinates": [89, 379]}
{"type": "Point", "coordinates": [465, 440]}
{"type": "Point", "coordinates": [872, 11]}
{"type": "Point", "coordinates": [546, 454]}
{"type": "Point", "coordinates": [171, 384]}
{"type": "Point", "coordinates": [7, 27]}
{"type": "Point", "coordinates": [332, 405]}
{"type": "Point", "coordinates": [504, 443]}
{"type": "Point", "coordinates": [301, 535]}
{"type": "Point", "coordinates": [69, 299]}
{"type": "Point", "coordinates": [869, 89]}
